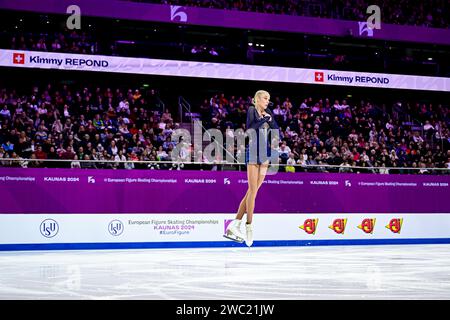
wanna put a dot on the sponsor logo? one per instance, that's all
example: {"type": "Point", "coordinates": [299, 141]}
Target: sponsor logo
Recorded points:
{"type": "Point", "coordinates": [348, 183]}
{"type": "Point", "coordinates": [226, 223]}
{"type": "Point", "coordinates": [49, 228]}
{"type": "Point", "coordinates": [318, 76]}
{"type": "Point", "coordinates": [357, 79]}
{"type": "Point", "coordinates": [177, 15]}
{"type": "Point", "coordinates": [341, 77]}
{"type": "Point", "coordinates": [115, 227]}
{"type": "Point", "coordinates": [310, 226]}
{"type": "Point", "coordinates": [395, 225]}
{"type": "Point", "coordinates": [364, 28]}
{"type": "Point", "coordinates": [19, 58]}
{"type": "Point", "coordinates": [338, 226]}
{"type": "Point", "coordinates": [226, 181]}
{"type": "Point", "coordinates": [91, 179]}
{"type": "Point", "coordinates": [367, 225]}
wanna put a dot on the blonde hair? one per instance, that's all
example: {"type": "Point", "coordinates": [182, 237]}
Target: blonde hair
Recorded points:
{"type": "Point", "coordinates": [258, 94]}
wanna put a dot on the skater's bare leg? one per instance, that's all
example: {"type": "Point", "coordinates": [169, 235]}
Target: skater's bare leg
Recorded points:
{"type": "Point", "coordinates": [262, 173]}
{"type": "Point", "coordinates": [243, 205]}
{"type": "Point", "coordinates": [252, 175]}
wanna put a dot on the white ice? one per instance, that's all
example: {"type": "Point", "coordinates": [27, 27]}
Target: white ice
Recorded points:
{"type": "Point", "coordinates": [333, 272]}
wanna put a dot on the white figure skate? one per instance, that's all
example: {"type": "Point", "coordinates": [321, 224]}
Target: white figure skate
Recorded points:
{"type": "Point", "coordinates": [249, 238]}
{"type": "Point", "coordinates": [234, 231]}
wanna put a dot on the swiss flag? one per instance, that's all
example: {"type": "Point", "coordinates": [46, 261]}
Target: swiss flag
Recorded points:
{"type": "Point", "coordinates": [318, 76]}
{"type": "Point", "coordinates": [19, 58]}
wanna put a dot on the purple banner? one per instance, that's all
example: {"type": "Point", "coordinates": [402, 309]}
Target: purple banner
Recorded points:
{"type": "Point", "coordinates": [148, 191]}
{"type": "Point", "coordinates": [232, 19]}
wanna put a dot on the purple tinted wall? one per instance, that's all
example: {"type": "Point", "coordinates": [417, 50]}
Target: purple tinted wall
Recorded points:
{"type": "Point", "coordinates": [232, 19]}
{"type": "Point", "coordinates": [139, 191]}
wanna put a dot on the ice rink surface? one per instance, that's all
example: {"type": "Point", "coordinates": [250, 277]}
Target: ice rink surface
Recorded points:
{"type": "Point", "coordinates": [310, 272]}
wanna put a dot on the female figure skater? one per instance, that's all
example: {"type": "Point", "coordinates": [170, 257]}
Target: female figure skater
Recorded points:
{"type": "Point", "coordinates": [260, 119]}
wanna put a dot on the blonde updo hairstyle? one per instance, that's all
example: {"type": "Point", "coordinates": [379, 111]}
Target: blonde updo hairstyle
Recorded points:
{"type": "Point", "coordinates": [258, 94]}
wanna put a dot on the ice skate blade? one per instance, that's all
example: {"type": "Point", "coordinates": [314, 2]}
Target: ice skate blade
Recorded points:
{"type": "Point", "coordinates": [234, 239]}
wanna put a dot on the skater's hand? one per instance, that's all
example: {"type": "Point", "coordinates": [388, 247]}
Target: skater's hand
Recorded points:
{"type": "Point", "coordinates": [268, 117]}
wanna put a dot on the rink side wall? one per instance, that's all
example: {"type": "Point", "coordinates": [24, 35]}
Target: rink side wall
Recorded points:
{"type": "Point", "coordinates": [44, 209]}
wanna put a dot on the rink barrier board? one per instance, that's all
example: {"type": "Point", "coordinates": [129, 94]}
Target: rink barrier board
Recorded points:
{"type": "Point", "coordinates": [59, 191]}
{"type": "Point", "coordinates": [211, 244]}
{"type": "Point", "coordinates": [100, 231]}
{"type": "Point", "coordinates": [76, 209]}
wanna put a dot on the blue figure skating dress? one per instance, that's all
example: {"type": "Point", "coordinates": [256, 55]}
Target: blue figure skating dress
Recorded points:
{"type": "Point", "coordinates": [263, 136]}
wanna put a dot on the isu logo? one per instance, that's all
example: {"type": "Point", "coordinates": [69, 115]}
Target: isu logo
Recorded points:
{"type": "Point", "coordinates": [338, 226]}
{"type": "Point", "coordinates": [318, 76]}
{"type": "Point", "coordinates": [367, 225]}
{"type": "Point", "coordinates": [19, 58]}
{"type": "Point", "coordinates": [309, 226]}
{"type": "Point", "coordinates": [395, 225]}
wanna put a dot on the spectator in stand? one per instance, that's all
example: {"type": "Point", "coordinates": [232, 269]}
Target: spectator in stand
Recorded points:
{"type": "Point", "coordinates": [45, 119]}
{"type": "Point", "coordinates": [283, 152]}
{"type": "Point", "coordinates": [75, 163]}
{"type": "Point", "coordinates": [113, 150]}
{"type": "Point", "coordinates": [166, 116]}
{"type": "Point", "coordinates": [161, 154]}
{"type": "Point", "coordinates": [213, 52]}
{"type": "Point", "coordinates": [8, 147]}
{"type": "Point", "coordinates": [428, 129]}
{"type": "Point", "coordinates": [290, 163]}
{"type": "Point", "coordinates": [88, 164]}
{"type": "Point", "coordinates": [5, 113]}
{"type": "Point", "coordinates": [120, 157]}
